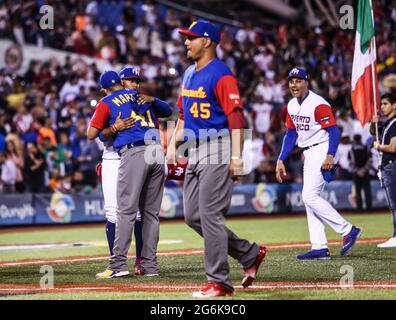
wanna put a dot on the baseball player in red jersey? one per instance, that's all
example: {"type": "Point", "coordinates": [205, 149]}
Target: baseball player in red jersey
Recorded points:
{"type": "Point", "coordinates": [210, 107]}
{"type": "Point", "coordinates": [310, 123]}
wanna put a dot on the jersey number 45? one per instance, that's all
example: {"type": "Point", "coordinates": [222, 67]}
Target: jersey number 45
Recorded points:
{"type": "Point", "coordinates": [200, 110]}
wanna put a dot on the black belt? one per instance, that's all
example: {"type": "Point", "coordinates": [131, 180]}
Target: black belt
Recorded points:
{"type": "Point", "coordinates": [131, 145]}
{"type": "Point", "coordinates": [314, 145]}
{"type": "Point", "coordinates": [382, 166]}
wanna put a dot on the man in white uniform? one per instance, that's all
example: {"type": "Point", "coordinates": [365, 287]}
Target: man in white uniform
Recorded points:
{"type": "Point", "coordinates": [310, 122]}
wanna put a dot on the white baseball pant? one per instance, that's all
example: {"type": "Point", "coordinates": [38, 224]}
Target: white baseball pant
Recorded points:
{"type": "Point", "coordinates": [319, 211]}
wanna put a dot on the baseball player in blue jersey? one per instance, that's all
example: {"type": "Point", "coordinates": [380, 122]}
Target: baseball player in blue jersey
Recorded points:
{"type": "Point", "coordinates": [108, 169]}
{"type": "Point", "coordinates": [130, 79]}
{"type": "Point", "coordinates": [210, 106]}
{"type": "Point", "coordinates": [140, 182]}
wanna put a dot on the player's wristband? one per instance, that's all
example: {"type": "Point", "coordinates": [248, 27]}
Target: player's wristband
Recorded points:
{"type": "Point", "coordinates": [113, 128]}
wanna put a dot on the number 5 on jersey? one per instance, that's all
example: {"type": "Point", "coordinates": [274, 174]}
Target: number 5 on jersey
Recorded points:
{"type": "Point", "coordinates": [200, 110]}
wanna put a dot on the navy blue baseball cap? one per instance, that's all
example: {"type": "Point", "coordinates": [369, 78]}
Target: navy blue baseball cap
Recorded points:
{"type": "Point", "coordinates": [202, 28]}
{"type": "Point", "coordinates": [329, 175]}
{"type": "Point", "coordinates": [129, 73]}
{"type": "Point", "coordinates": [297, 72]}
{"type": "Point", "coordinates": [108, 79]}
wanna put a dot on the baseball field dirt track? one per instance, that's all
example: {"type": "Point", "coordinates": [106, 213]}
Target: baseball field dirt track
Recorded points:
{"type": "Point", "coordinates": [73, 255]}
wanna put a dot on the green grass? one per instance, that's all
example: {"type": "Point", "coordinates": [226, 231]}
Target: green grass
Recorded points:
{"type": "Point", "coordinates": [368, 262]}
{"type": "Point", "coordinates": [260, 230]}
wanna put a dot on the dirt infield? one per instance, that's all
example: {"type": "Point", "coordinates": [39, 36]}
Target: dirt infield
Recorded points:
{"type": "Point", "coordinates": [6, 289]}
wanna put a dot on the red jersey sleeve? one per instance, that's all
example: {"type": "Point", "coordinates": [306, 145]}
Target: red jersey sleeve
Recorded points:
{"type": "Point", "coordinates": [324, 115]}
{"type": "Point", "coordinates": [289, 121]}
{"type": "Point", "coordinates": [227, 94]}
{"type": "Point", "coordinates": [101, 116]}
{"type": "Point", "coordinates": [236, 119]}
{"type": "Point", "coordinates": [179, 103]}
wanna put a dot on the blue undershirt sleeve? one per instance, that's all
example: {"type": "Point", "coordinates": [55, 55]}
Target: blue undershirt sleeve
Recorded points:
{"type": "Point", "coordinates": [289, 141]}
{"type": "Point", "coordinates": [162, 108]}
{"type": "Point", "coordinates": [102, 137]}
{"type": "Point", "coordinates": [334, 139]}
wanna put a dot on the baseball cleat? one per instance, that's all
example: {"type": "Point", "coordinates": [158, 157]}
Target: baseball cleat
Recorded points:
{"type": "Point", "coordinates": [212, 290]}
{"type": "Point", "coordinates": [251, 272]}
{"type": "Point", "coordinates": [140, 272]}
{"type": "Point", "coordinates": [390, 243]}
{"type": "Point", "coordinates": [108, 274]}
{"type": "Point", "coordinates": [350, 240]}
{"type": "Point", "coordinates": [320, 254]}
{"type": "Point", "coordinates": [137, 267]}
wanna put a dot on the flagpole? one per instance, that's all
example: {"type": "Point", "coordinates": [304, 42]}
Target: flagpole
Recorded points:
{"type": "Point", "coordinates": [373, 75]}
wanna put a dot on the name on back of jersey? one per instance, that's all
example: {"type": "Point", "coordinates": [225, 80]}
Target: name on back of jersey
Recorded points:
{"type": "Point", "coordinates": [123, 98]}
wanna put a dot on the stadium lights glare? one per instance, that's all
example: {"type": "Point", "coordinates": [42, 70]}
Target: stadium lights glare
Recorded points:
{"type": "Point", "coordinates": [93, 103]}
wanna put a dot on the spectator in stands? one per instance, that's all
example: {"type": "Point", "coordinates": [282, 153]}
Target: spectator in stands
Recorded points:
{"type": "Point", "coordinates": [8, 174]}
{"type": "Point", "coordinates": [89, 157]}
{"type": "Point", "coordinates": [66, 149]}
{"type": "Point", "coordinates": [253, 152]}
{"type": "Point", "coordinates": [141, 35]}
{"type": "Point", "coordinates": [262, 110]}
{"type": "Point", "coordinates": [44, 129]}
{"type": "Point", "coordinates": [35, 166]}
{"type": "Point", "coordinates": [264, 173]}
{"type": "Point", "coordinates": [62, 91]}
{"type": "Point", "coordinates": [22, 119]}
{"type": "Point", "coordinates": [360, 161]}
{"type": "Point", "coordinates": [70, 89]}
{"type": "Point", "coordinates": [345, 123]}
{"type": "Point", "coordinates": [344, 170]}
{"type": "Point", "coordinates": [3, 131]}
{"type": "Point", "coordinates": [16, 157]}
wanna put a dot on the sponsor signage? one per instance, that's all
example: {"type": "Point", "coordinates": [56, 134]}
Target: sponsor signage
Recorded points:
{"type": "Point", "coordinates": [257, 199]}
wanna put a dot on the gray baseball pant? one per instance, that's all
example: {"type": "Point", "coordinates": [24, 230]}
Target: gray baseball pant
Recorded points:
{"type": "Point", "coordinates": [207, 197]}
{"type": "Point", "coordinates": [140, 186]}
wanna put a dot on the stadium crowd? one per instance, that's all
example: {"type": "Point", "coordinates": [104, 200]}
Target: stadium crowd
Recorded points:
{"type": "Point", "coordinates": [45, 110]}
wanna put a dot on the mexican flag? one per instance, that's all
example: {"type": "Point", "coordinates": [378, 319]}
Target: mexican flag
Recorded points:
{"type": "Point", "coordinates": [364, 80]}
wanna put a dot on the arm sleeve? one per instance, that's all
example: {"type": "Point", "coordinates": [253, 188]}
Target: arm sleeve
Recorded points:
{"type": "Point", "coordinates": [227, 94]}
{"type": "Point", "coordinates": [324, 115]}
{"type": "Point", "coordinates": [102, 137]}
{"type": "Point", "coordinates": [162, 108]}
{"type": "Point", "coordinates": [289, 141]}
{"type": "Point", "coordinates": [101, 116]}
{"type": "Point", "coordinates": [236, 119]}
{"type": "Point", "coordinates": [334, 139]}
